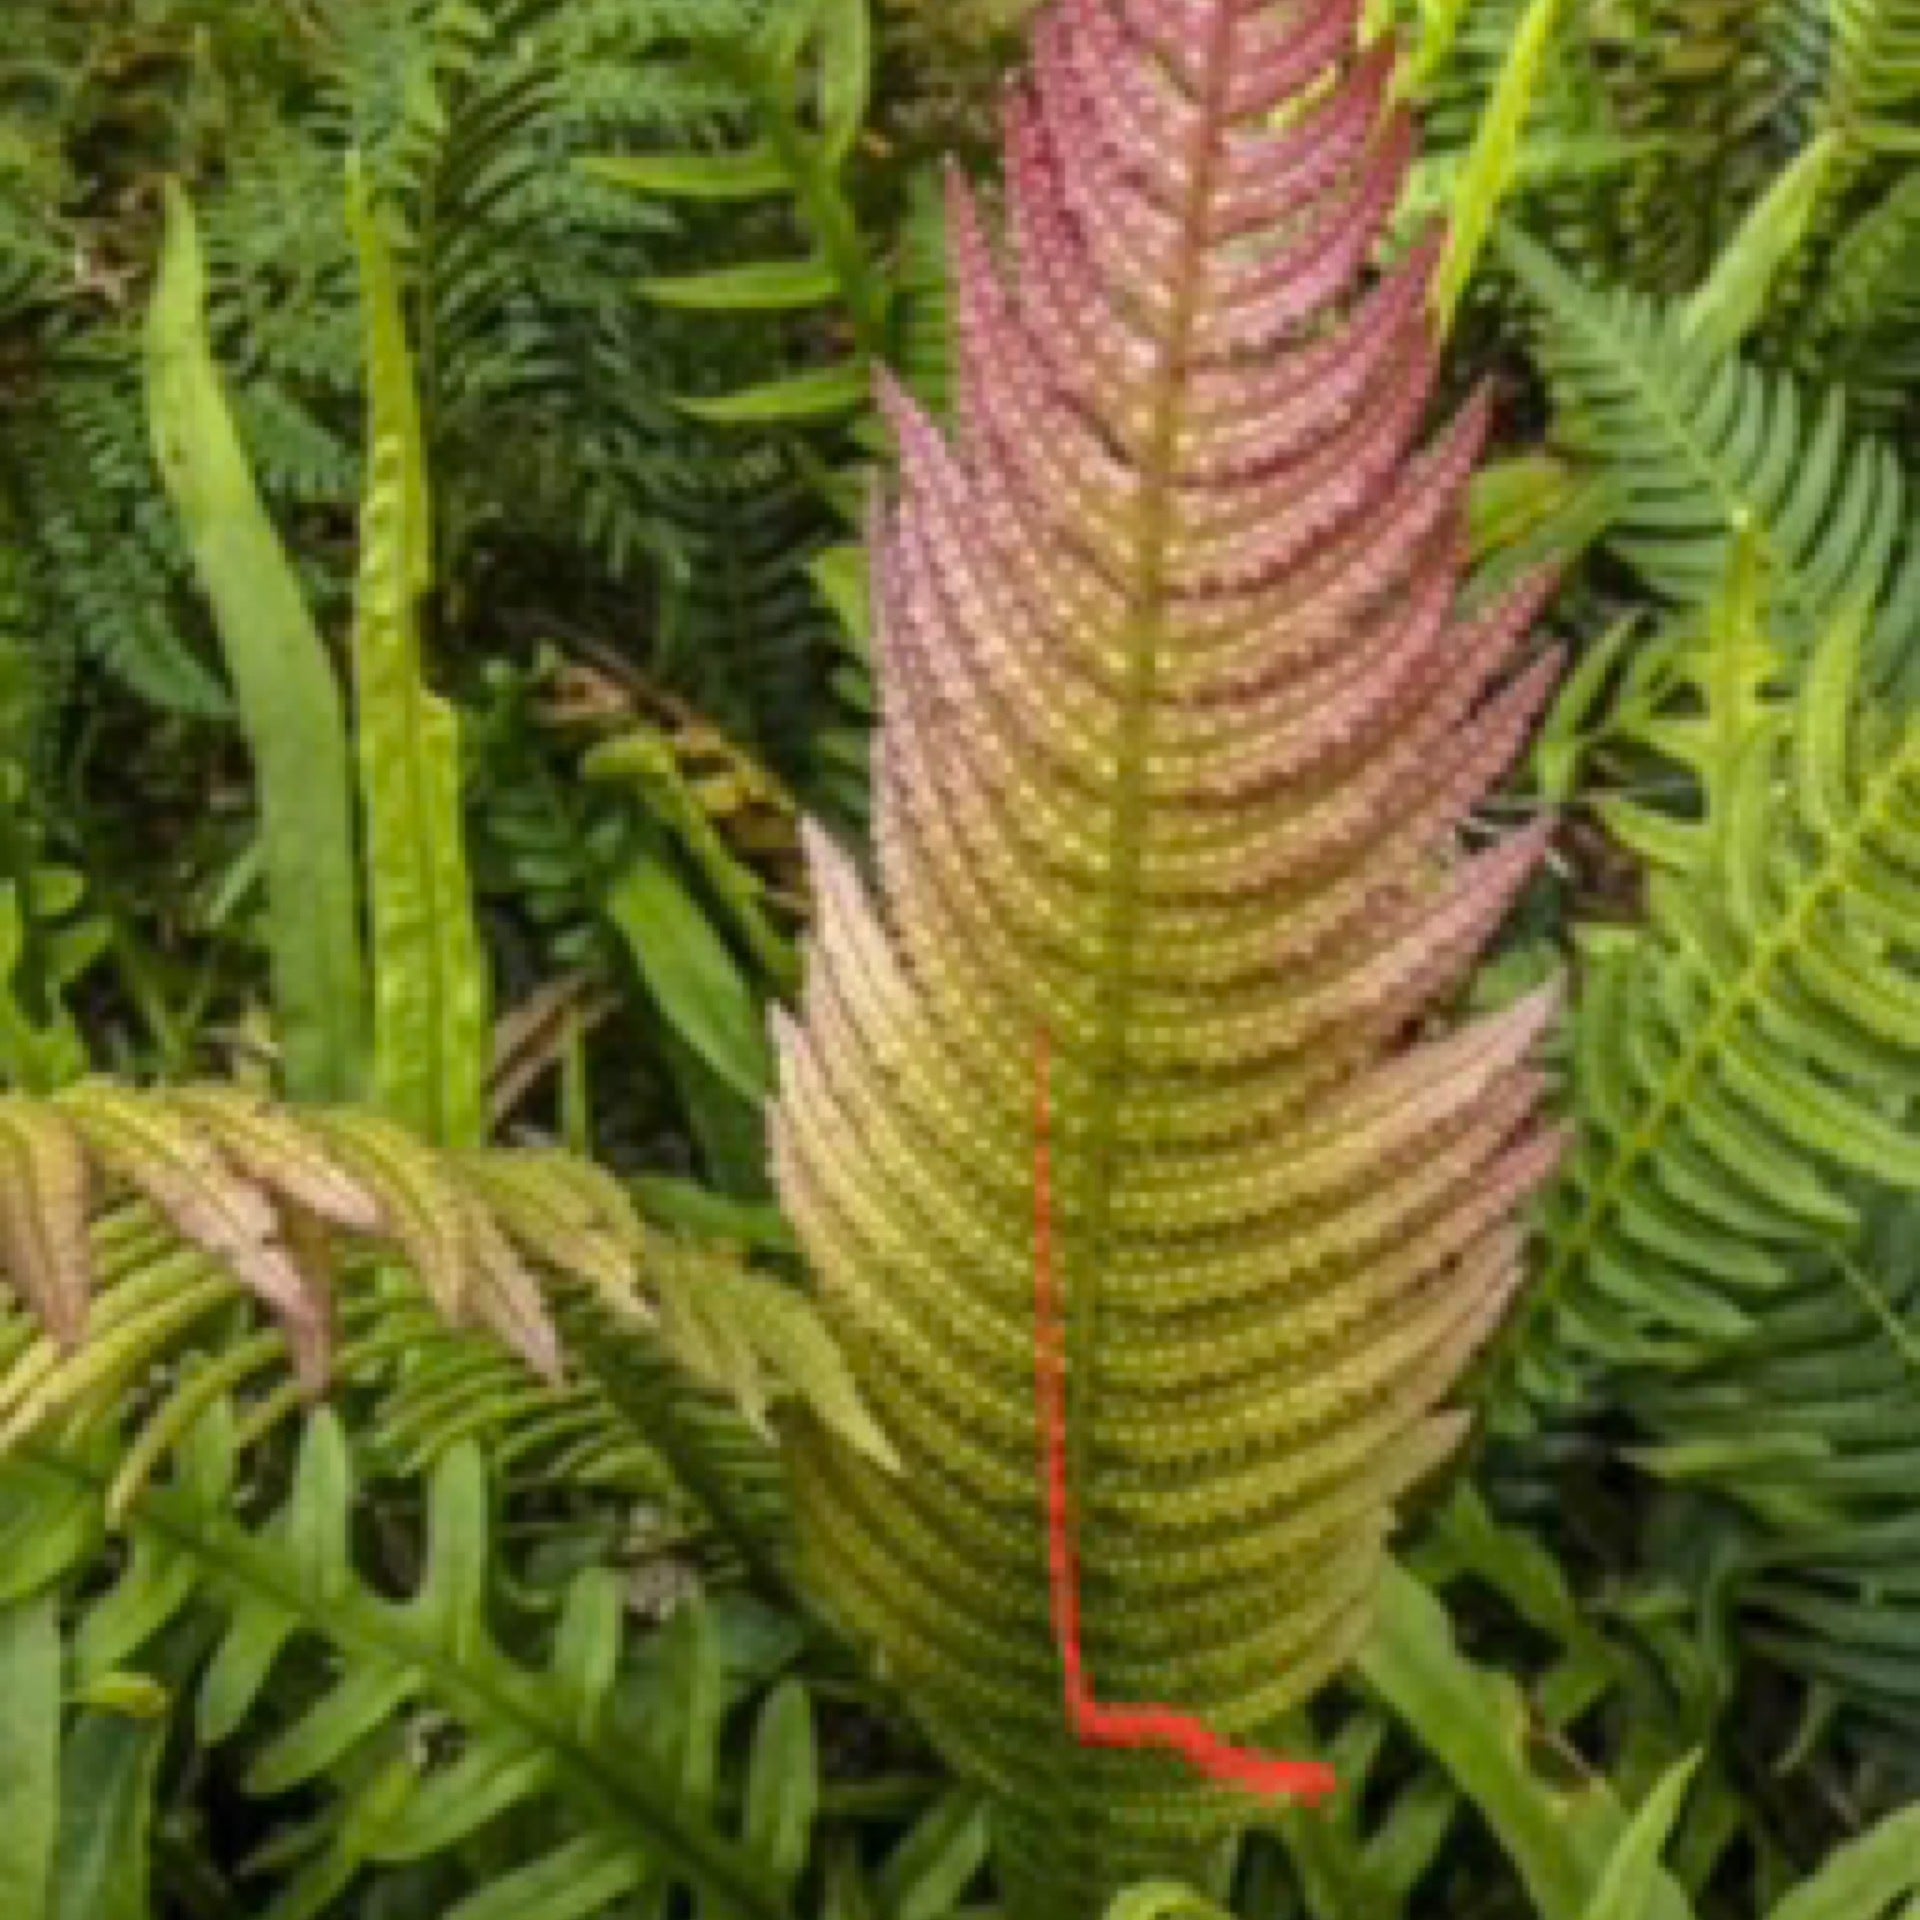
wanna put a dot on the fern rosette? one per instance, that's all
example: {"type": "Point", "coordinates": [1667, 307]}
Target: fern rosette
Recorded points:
{"type": "Point", "coordinates": [1181, 719]}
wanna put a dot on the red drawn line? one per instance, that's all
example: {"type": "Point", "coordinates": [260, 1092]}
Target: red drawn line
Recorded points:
{"type": "Point", "coordinates": [1094, 1725]}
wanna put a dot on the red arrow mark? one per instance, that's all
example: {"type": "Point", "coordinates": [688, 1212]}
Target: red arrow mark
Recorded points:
{"type": "Point", "coordinates": [1094, 1725]}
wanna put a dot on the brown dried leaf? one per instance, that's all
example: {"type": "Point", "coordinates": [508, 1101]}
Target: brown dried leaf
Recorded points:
{"type": "Point", "coordinates": [44, 1192]}
{"type": "Point", "coordinates": [159, 1154]}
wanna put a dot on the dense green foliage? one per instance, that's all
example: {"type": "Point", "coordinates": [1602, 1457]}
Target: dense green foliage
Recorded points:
{"type": "Point", "coordinates": [435, 437]}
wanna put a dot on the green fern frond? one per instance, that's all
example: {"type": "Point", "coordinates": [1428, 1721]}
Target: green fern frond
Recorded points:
{"type": "Point", "coordinates": [924, 320]}
{"type": "Point", "coordinates": [34, 668]}
{"type": "Point", "coordinates": [809, 78]}
{"type": "Point", "coordinates": [1851, 71]}
{"type": "Point", "coordinates": [1695, 444]}
{"type": "Point", "coordinates": [1808, 1421]}
{"type": "Point", "coordinates": [304, 460]}
{"type": "Point", "coordinates": [546, 380]}
{"type": "Point", "coordinates": [1752, 1056]}
{"type": "Point", "coordinates": [1874, 72]}
{"type": "Point", "coordinates": [283, 292]}
{"type": "Point", "coordinates": [1747, 283]}
{"type": "Point", "coordinates": [105, 566]}
{"type": "Point", "coordinates": [1457, 53]}
{"type": "Point", "coordinates": [1651, 124]}
{"type": "Point", "coordinates": [1862, 328]}
{"type": "Point", "coordinates": [386, 76]}
{"type": "Point", "coordinates": [32, 256]}
{"type": "Point", "coordinates": [629, 1423]}
{"type": "Point", "coordinates": [421, 1730]}
{"type": "Point", "coordinates": [1701, 75]}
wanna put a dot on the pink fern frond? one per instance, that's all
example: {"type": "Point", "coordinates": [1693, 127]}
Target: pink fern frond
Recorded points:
{"type": "Point", "coordinates": [1181, 720]}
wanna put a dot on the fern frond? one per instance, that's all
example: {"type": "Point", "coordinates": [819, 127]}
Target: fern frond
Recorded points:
{"type": "Point", "coordinates": [1752, 1057]}
{"type": "Point", "coordinates": [745, 533]}
{"type": "Point", "coordinates": [247, 1187]}
{"type": "Point", "coordinates": [630, 1422]}
{"type": "Point", "coordinates": [809, 77]}
{"type": "Point", "coordinates": [1179, 723]}
{"type": "Point", "coordinates": [1702, 77]}
{"type": "Point", "coordinates": [1655, 124]}
{"type": "Point", "coordinates": [34, 669]}
{"type": "Point", "coordinates": [281, 283]}
{"type": "Point", "coordinates": [1748, 282]}
{"type": "Point", "coordinates": [131, 1222]}
{"type": "Point", "coordinates": [1697, 444]}
{"type": "Point", "coordinates": [105, 564]}
{"type": "Point", "coordinates": [1455, 58]}
{"type": "Point", "coordinates": [1863, 327]}
{"type": "Point", "coordinates": [546, 383]}
{"type": "Point", "coordinates": [31, 254]}
{"type": "Point", "coordinates": [603, 1806]}
{"type": "Point", "coordinates": [1874, 72]}
{"type": "Point", "coordinates": [1808, 1420]}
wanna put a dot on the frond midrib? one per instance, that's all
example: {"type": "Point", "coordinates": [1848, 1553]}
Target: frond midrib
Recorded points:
{"type": "Point", "coordinates": [1127, 828]}
{"type": "Point", "coordinates": [1126, 853]}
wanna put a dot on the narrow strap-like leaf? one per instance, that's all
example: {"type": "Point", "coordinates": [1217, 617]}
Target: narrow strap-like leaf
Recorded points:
{"type": "Point", "coordinates": [431, 992]}
{"type": "Point", "coordinates": [289, 697]}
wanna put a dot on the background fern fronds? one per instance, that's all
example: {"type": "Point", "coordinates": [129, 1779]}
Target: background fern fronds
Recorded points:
{"type": "Point", "coordinates": [1696, 445]}
{"type": "Point", "coordinates": [1748, 1059]}
{"type": "Point", "coordinates": [421, 1734]}
{"type": "Point", "coordinates": [234, 1197]}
